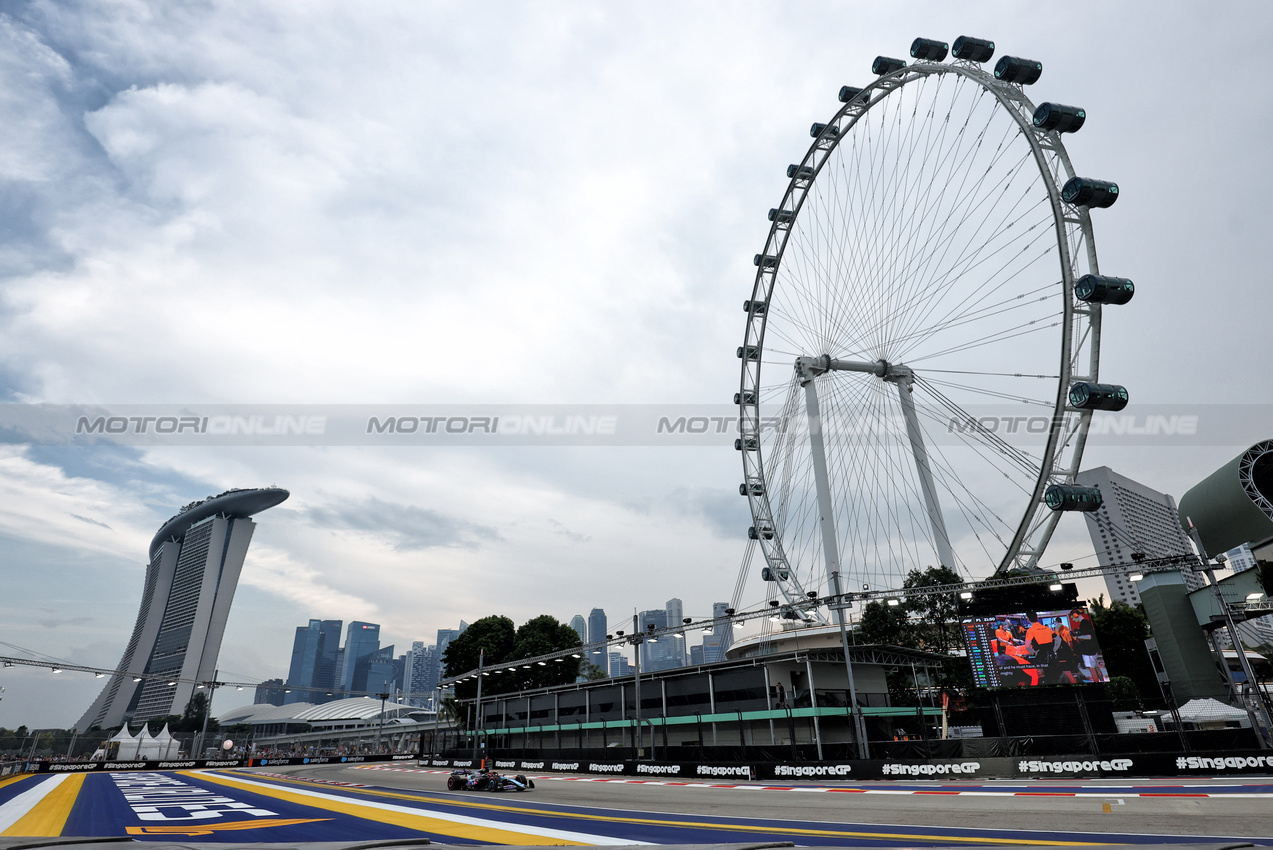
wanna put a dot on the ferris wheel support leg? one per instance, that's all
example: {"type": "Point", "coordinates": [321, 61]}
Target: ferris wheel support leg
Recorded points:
{"type": "Point", "coordinates": [941, 539]}
{"type": "Point", "coordinates": [831, 549]}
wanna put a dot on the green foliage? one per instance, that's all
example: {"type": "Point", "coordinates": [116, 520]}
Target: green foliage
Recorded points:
{"type": "Point", "coordinates": [593, 672]}
{"type": "Point", "coordinates": [885, 624]}
{"type": "Point", "coordinates": [1121, 631]}
{"type": "Point", "coordinates": [493, 635]}
{"type": "Point", "coordinates": [1124, 694]}
{"type": "Point", "coordinates": [504, 645]}
{"type": "Point", "coordinates": [935, 611]}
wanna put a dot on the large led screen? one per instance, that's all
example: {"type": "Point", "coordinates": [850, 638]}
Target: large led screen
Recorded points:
{"type": "Point", "coordinates": [1034, 648]}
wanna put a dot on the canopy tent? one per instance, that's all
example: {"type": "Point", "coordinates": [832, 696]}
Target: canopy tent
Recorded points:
{"type": "Point", "coordinates": [1212, 713]}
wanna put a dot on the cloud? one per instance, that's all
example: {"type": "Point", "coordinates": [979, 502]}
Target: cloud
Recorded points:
{"type": "Point", "coordinates": [406, 527]}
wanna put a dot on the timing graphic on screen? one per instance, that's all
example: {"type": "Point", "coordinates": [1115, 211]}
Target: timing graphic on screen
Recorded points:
{"type": "Point", "coordinates": [1034, 648]}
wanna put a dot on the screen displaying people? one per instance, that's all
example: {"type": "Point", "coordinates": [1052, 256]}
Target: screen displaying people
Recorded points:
{"type": "Point", "coordinates": [1034, 648]}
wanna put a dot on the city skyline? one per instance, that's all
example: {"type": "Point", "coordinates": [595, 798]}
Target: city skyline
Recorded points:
{"type": "Point", "coordinates": [208, 216]}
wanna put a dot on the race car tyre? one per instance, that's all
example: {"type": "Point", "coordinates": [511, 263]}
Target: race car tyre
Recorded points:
{"type": "Point", "coordinates": [454, 783]}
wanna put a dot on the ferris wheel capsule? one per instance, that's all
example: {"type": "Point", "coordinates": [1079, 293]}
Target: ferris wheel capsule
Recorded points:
{"type": "Point", "coordinates": [1059, 117]}
{"type": "Point", "coordinates": [1089, 396]}
{"type": "Point", "coordinates": [886, 65]}
{"type": "Point", "coordinates": [1088, 192]}
{"type": "Point", "coordinates": [973, 49]}
{"type": "Point", "coordinates": [1098, 289]}
{"type": "Point", "coordinates": [929, 50]}
{"type": "Point", "coordinates": [1014, 69]}
{"type": "Point", "coordinates": [1072, 497]}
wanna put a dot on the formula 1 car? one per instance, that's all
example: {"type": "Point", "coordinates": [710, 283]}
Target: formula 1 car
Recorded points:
{"type": "Point", "coordinates": [487, 780]}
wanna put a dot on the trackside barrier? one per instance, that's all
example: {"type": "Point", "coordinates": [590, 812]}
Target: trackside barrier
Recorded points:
{"type": "Point", "coordinates": [1254, 763]}
{"type": "Point", "coordinates": [191, 764]}
{"type": "Point", "coordinates": [1079, 766]}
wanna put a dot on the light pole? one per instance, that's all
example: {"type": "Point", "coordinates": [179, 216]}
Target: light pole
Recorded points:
{"type": "Point", "coordinates": [477, 723]}
{"type": "Point", "coordinates": [637, 640]}
{"type": "Point", "coordinates": [384, 695]}
{"type": "Point", "coordinates": [207, 710]}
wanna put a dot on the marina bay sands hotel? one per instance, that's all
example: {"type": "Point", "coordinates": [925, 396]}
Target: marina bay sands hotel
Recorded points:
{"type": "Point", "coordinates": [195, 559]}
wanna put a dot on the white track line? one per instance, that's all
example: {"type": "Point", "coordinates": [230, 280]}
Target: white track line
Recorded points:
{"type": "Point", "coordinates": [14, 810]}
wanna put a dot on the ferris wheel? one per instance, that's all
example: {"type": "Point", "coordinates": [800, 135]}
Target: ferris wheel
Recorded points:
{"type": "Point", "coordinates": [920, 362]}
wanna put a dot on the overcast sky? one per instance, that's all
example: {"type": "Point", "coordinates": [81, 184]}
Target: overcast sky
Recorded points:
{"type": "Point", "coordinates": [324, 203]}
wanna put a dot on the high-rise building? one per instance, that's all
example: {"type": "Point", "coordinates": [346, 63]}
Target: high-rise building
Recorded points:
{"type": "Point", "coordinates": [696, 654]}
{"type": "Point", "coordinates": [445, 636]}
{"type": "Point", "coordinates": [311, 675]}
{"type": "Point", "coordinates": [362, 640]}
{"type": "Point", "coordinates": [328, 663]}
{"type": "Point", "coordinates": [374, 673]}
{"type": "Point", "coordinates": [421, 674]}
{"type": "Point", "coordinates": [596, 634]}
{"type": "Point", "coordinates": [580, 625]}
{"type": "Point", "coordinates": [195, 560]}
{"type": "Point", "coordinates": [723, 630]}
{"type": "Point", "coordinates": [655, 653]}
{"type": "Point", "coordinates": [1133, 518]}
{"type": "Point", "coordinates": [270, 692]}
{"type": "Point", "coordinates": [619, 665]}
{"type": "Point", "coordinates": [676, 648]}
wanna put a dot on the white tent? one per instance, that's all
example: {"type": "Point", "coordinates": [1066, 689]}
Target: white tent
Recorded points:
{"type": "Point", "coordinates": [167, 746]}
{"type": "Point", "coordinates": [147, 745]}
{"type": "Point", "coordinates": [127, 744]}
{"type": "Point", "coordinates": [1211, 713]}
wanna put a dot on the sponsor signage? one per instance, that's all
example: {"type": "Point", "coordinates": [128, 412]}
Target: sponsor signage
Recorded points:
{"type": "Point", "coordinates": [812, 771]}
{"type": "Point", "coordinates": [930, 769]}
{"type": "Point", "coordinates": [730, 771]}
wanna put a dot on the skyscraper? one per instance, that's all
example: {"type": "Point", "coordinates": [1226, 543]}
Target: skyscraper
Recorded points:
{"type": "Point", "coordinates": [723, 630]}
{"type": "Point", "coordinates": [195, 560]}
{"type": "Point", "coordinates": [421, 676]}
{"type": "Point", "coordinates": [655, 654]}
{"type": "Point", "coordinates": [269, 692]}
{"type": "Point", "coordinates": [676, 646]}
{"type": "Point", "coordinates": [361, 641]}
{"type": "Point", "coordinates": [311, 675]}
{"type": "Point", "coordinates": [374, 672]}
{"type": "Point", "coordinates": [1133, 518]}
{"type": "Point", "coordinates": [580, 625]}
{"type": "Point", "coordinates": [596, 634]}
{"type": "Point", "coordinates": [445, 636]}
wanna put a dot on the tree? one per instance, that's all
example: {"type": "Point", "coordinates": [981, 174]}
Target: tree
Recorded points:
{"type": "Point", "coordinates": [593, 672]}
{"type": "Point", "coordinates": [493, 635]}
{"type": "Point", "coordinates": [540, 636]}
{"type": "Point", "coordinates": [1122, 691]}
{"type": "Point", "coordinates": [1121, 631]}
{"type": "Point", "coordinates": [936, 609]}
{"type": "Point", "coordinates": [884, 624]}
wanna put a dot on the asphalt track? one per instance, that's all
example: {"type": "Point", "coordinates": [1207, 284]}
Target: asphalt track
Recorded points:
{"type": "Point", "coordinates": [335, 803]}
